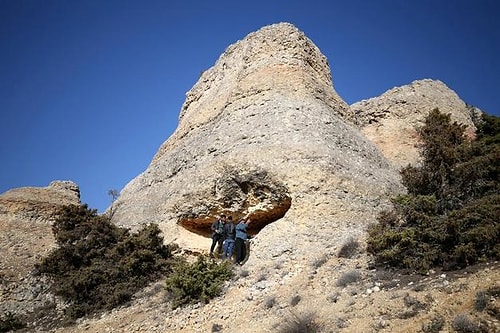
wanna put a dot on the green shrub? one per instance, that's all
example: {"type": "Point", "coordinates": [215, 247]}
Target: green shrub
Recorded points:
{"type": "Point", "coordinates": [198, 281]}
{"type": "Point", "coordinates": [97, 265]}
{"type": "Point", "coordinates": [10, 322]}
{"type": "Point", "coordinates": [449, 217]}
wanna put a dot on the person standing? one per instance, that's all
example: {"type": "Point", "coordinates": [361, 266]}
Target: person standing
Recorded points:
{"type": "Point", "coordinates": [217, 234]}
{"type": "Point", "coordinates": [241, 237]}
{"type": "Point", "coordinates": [229, 235]}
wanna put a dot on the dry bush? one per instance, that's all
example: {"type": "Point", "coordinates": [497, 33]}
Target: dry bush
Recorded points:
{"type": "Point", "coordinates": [216, 328]}
{"type": "Point", "coordinates": [348, 278]}
{"type": "Point", "coordinates": [349, 248]}
{"type": "Point", "coordinates": [481, 301]}
{"type": "Point", "coordinates": [301, 323]}
{"type": "Point", "coordinates": [270, 302]}
{"type": "Point", "coordinates": [295, 300]}
{"type": "Point", "coordinates": [434, 326]}
{"type": "Point", "coordinates": [463, 324]}
{"type": "Point", "coordinates": [318, 262]}
{"type": "Point", "coordinates": [10, 322]}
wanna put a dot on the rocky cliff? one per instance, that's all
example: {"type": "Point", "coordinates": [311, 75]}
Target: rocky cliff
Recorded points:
{"type": "Point", "coordinates": [263, 134]}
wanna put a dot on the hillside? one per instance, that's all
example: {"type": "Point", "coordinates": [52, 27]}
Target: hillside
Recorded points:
{"type": "Point", "coordinates": [264, 134]}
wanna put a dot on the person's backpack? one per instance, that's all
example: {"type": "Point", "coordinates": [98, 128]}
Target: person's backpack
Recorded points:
{"type": "Point", "coordinates": [230, 230]}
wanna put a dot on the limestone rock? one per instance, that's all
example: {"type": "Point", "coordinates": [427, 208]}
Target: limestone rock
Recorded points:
{"type": "Point", "coordinates": [38, 203]}
{"type": "Point", "coordinates": [262, 134]}
{"type": "Point", "coordinates": [390, 120]}
{"type": "Point", "coordinates": [26, 237]}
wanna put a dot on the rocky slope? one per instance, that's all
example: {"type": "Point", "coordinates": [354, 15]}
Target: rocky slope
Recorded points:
{"type": "Point", "coordinates": [264, 134]}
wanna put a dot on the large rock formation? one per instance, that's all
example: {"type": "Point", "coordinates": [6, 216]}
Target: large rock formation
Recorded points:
{"type": "Point", "coordinates": [262, 134]}
{"type": "Point", "coordinates": [26, 237]}
{"type": "Point", "coordinates": [390, 120]}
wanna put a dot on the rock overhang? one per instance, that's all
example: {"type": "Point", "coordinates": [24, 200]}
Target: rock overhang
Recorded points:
{"type": "Point", "coordinates": [239, 193]}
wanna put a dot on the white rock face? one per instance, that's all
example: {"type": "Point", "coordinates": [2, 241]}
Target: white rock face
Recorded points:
{"type": "Point", "coordinates": [263, 134]}
{"type": "Point", "coordinates": [390, 119]}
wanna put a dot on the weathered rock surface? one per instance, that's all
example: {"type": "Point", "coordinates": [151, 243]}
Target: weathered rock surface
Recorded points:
{"type": "Point", "coordinates": [26, 237]}
{"type": "Point", "coordinates": [263, 134]}
{"type": "Point", "coordinates": [38, 204]}
{"type": "Point", "coordinates": [390, 120]}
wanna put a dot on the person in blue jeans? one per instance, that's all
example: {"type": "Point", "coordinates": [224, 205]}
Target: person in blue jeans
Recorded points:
{"type": "Point", "coordinates": [241, 237]}
{"type": "Point", "coordinates": [229, 235]}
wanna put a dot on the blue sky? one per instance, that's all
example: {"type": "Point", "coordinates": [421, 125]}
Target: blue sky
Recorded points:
{"type": "Point", "coordinates": [89, 89]}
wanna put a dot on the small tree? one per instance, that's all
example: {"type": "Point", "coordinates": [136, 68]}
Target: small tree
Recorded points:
{"type": "Point", "coordinates": [114, 194]}
{"type": "Point", "coordinates": [97, 265]}
{"type": "Point", "coordinates": [451, 214]}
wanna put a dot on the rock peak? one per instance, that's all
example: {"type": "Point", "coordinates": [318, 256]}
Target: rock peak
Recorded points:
{"type": "Point", "coordinates": [260, 130]}
{"type": "Point", "coordinates": [275, 60]}
{"type": "Point", "coordinates": [390, 120]}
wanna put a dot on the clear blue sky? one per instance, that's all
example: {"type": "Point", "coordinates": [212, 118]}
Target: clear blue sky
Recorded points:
{"type": "Point", "coordinates": [89, 89]}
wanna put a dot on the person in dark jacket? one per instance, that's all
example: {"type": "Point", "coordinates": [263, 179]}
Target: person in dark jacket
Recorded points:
{"type": "Point", "coordinates": [241, 238]}
{"type": "Point", "coordinates": [229, 239]}
{"type": "Point", "coordinates": [217, 234]}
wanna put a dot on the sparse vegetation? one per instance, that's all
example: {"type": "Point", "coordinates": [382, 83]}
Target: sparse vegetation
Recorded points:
{"type": "Point", "coordinates": [481, 301]}
{"type": "Point", "coordinates": [349, 248]}
{"type": "Point", "coordinates": [10, 322]}
{"type": "Point", "coordinates": [463, 324]}
{"type": "Point", "coordinates": [302, 323]}
{"type": "Point", "coordinates": [414, 306]}
{"type": "Point", "coordinates": [318, 262]}
{"type": "Point", "coordinates": [295, 300]}
{"type": "Point", "coordinates": [262, 277]}
{"type": "Point", "coordinates": [348, 278]}
{"type": "Point", "coordinates": [270, 302]}
{"type": "Point", "coordinates": [342, 322]}
{"type": "Point", "coordinates": [216, 328]}
{"type": "Point", "coordinates": [434, 326]}
{"type": "Point", "coordinates": [198, 281]}
{"type": "Point", "coordinates": [244, 273]}
{"type": "Point", "coordinates": [449, 217]}
{"type": "Point", "coordinates": [97, 265]}
{"type": "Point", "coordinates": [333, 298]}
